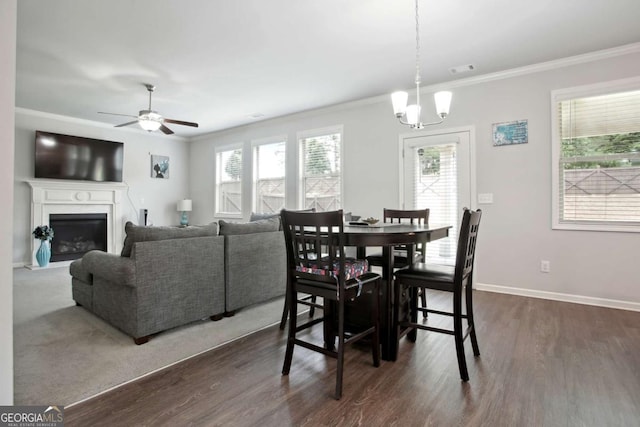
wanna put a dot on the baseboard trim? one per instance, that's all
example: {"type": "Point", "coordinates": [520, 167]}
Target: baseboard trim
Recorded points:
{"type": "Point", "coordinates": [556, 296]}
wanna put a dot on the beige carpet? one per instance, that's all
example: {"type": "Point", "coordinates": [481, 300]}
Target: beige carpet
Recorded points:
{"type": "Point", "coordinates": [63, 354]}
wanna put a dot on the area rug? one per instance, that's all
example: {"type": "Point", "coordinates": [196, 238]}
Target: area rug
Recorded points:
{"type": "Point", "coordinates": [63, 354]}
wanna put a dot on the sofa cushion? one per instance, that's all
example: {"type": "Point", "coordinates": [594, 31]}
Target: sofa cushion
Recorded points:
{"type": "Point", "coordinates": [139, 233]}
{"type": "Point", "coordinates": [260, 226]}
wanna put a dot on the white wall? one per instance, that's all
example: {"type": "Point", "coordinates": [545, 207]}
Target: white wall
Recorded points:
{"type": "Point", "coordinates": [592, 267]}
{"type": "Point", "coordinates": [159, 196]}
{"type": "Point", "coordinates": [8, 11]}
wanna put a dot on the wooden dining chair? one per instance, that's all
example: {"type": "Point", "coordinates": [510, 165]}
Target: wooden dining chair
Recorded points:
{"type": "Point", "coordinates": [334, 277]}
{"type": "Point", "coordinates": [308, 300]}
{"type": "Point", "coordinates": [402, 252]}
{"type": "Point", "coordinates": [456, 280]}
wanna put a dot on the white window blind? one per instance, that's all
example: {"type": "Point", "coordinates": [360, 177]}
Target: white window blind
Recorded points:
{"type": "Point", "coordinates": [320, 159]}
{"type": "Point", "coordinates": [436, 187]}
{"type": "Point", "coordinates": [599, 161]}
{"type": "Point", "coordinates": [229, 181]}
{"type": "Point", "coordinates": [269, 177]}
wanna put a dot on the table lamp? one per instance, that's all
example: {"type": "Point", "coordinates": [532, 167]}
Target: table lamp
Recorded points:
{"type": "Point", "coordinates": [184, 206]}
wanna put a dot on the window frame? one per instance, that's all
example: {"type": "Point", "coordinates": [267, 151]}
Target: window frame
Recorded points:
{"type": "Point", "coordinates": [557, 96]}
{"type": "Point", "coordinates": [255, 145]}
{"type": "Point", "coordinates": [312, 133]}
{"type": "Point", "coordinates": [217, 151]}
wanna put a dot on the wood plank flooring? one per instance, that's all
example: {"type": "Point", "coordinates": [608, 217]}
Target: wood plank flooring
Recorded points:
{"type": "Point", "coordinates": [542, 363]}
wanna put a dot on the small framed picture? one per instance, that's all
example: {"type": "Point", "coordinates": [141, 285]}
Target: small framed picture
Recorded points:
{"type": "Point", "coordinates": [159, 166]}
{"type": "Point", "coordinates": [509, 133]}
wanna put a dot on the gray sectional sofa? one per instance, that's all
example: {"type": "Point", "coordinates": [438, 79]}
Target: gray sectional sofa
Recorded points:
{"type": "Point", "coordinates": [170, 276]}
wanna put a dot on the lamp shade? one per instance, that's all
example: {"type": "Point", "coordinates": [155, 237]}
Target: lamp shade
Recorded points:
{"type": "Point", "coordinates": [184, 205]}
{"type": "Point", "coordinates": [443, 102]}
{"type": "Point", "coordinates": [413, 114]}
{"type": "Point", "coordinates": [399, 101]}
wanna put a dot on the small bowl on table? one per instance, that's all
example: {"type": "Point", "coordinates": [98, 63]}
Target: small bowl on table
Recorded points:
{"type": "Point", "coordinates": [370, 220]}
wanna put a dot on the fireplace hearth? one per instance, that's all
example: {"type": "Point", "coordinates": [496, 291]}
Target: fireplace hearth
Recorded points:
{"type": "Point", "coordinates": [77, 234]}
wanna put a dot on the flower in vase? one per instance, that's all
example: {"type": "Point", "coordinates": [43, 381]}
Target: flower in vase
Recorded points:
{"type": "Point", "coordinates": [43, 232]}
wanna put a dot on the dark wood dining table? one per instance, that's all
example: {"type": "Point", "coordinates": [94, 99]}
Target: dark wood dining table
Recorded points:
{"type": "Point", "coordinates": [387, 236]}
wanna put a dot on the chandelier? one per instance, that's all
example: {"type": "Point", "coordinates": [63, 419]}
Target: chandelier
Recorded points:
{"type": "Point", "coordinates": [410, 115]}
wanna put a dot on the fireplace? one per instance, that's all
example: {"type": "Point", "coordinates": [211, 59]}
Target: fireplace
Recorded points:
{"type": "Point", "coordinates": [97, 205]}
{"type": "Point", "coordinates": [77, 234]}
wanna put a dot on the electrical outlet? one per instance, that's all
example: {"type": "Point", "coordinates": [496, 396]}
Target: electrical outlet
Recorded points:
{"type": "Point", "coordinates": [545, 266]}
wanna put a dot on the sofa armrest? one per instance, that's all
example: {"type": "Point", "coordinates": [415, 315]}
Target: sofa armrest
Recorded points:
{"type": "Point", "coordinates": [111, 267]}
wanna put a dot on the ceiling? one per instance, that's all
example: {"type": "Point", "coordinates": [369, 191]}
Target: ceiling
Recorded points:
{"type": "Point", "coordinates": [219, 63]}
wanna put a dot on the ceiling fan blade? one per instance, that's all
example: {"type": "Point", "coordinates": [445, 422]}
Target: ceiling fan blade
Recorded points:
{"type": "Point", "coordinates": [116, 114]}
{"type": "Point", "coordinates": [166, 130]}
{"type": "Point", "coordinates": [180, 122]}
{"type": "Point", "coordinates": [126, 124]}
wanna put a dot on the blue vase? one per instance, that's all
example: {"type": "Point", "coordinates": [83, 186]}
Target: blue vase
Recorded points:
{"type": "Point", "coordinates": [43, 254]}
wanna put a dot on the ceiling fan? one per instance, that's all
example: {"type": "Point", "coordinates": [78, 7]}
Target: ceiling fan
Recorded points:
{"type": "Point", "coordinates": [150, 120]}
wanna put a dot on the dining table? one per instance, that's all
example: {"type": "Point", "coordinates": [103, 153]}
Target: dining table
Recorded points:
{"type": "Point", "coordinates": [387, 236]}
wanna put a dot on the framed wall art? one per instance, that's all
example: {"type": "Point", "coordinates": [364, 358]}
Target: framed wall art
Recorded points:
{"type": "Point", "coordinates": [509, 133]}
{"type": "Point", "coordinates": [159, 166]}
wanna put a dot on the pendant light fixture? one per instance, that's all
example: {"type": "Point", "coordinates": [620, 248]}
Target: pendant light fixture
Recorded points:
{"type": "Point", "coordinates": [410, 115]}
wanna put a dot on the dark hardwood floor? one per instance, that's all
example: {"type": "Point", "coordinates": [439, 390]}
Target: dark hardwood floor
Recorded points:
{"type": "Point", "coordinates": [542, 363]}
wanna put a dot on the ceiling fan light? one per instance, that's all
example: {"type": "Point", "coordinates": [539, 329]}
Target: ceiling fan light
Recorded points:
{"type": "Point", "coordinates": [149, 125]}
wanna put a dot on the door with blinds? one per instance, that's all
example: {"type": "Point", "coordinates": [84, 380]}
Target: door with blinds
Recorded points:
{"type": "Point", "coordinates": [436, 175]}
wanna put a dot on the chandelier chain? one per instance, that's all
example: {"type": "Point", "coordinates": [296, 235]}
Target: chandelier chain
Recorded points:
{"type": "Point", "coordinates": [417, 45]}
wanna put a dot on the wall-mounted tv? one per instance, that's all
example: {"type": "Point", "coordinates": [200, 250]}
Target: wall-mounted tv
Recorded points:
{"type": "Point", "coordinates": [73, 157]}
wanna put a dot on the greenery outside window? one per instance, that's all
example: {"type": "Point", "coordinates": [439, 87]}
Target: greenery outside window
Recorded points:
{"type": "Point", "coordinates": [596, 157]}
{"type": "Point", "coordinates": [321, 169]}
{"type": "Point", "coordinates": [229, 181]}
{"type": "Point", "coordinates": [269, 176]}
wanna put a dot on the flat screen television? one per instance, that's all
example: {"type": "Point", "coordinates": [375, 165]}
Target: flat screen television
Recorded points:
{"type": "Point", "coordinates": [60, 156]}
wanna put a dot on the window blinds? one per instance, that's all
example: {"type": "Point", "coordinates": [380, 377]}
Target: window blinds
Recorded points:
{"type": "Point", "coordinates": [599, 170]}
{"type": "Point", "coordinates": [436, 187]}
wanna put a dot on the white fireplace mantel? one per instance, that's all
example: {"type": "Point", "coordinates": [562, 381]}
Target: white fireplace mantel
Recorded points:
{"type": "Point", "coordinates": [65, 197]}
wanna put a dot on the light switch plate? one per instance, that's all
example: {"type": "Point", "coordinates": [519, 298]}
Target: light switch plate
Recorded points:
{"type": "Point", "coordinates": [485, 198]}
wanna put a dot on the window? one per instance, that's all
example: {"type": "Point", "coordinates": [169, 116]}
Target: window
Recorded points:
{"type": "Point", "coordinates": [229, 181]}
{"type": "Point", "coordinates": [436, 171]}
{"type": "Point", "coordinates": [269, 176]}
{"type": "Point", "coordinates": [321, 170]}
{"type": "Point", "coordinates": [596, 162]}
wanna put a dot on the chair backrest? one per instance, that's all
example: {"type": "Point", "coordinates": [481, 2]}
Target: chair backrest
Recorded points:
{"type": "Point", "coordinates": [415, 216]}
{"type": "Point", "coordinates": [315, 242]}
{"type": "Point", "coordinates": [467, 246]}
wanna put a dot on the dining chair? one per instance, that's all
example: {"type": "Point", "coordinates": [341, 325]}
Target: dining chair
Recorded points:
{"type": "Point", "coordinates": [401, 253]}
{"type": "Point", "coordinates": [456, 280]}
{"type": "Point", "coordinates": [329, 274]}
{"type": "Point", "coordinates": [308, 300]}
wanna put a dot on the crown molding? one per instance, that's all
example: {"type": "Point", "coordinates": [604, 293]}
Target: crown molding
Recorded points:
{"type": "Point", "coordinates": [84, 122]}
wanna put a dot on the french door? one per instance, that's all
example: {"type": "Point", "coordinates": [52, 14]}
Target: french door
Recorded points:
{"type": "Point", "coordinates": [436, 173]}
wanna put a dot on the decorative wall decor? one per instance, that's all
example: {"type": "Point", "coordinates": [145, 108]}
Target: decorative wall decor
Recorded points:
{"type": "Point", "coordinates": [159, 166]}
{"type": "Point", "coordinates": [509, 133]}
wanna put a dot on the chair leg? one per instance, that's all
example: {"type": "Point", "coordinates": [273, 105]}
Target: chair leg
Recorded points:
{"type": "Point", "coordinates": [340, 367]}
{"type": "Point", "coordinates": [413, 312]}
{"type": "Point", "coordinates": [423, 298]}
{"type": "Point", "coordinates": [375, 318]}
{"type": "Point", "coordinates": [458, 336]}
{"type": "Point", "coordinates": [312, 310]}
{"type": "Point", "coordinates": [285, 311]}
{"type": "Point", "coordinates": [293, 324]}
{"type": "Point", "coordinates": [470, 321]}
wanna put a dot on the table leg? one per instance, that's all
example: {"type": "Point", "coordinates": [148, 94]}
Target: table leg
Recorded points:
{"type": "Point", "coordinates": [389, 338]}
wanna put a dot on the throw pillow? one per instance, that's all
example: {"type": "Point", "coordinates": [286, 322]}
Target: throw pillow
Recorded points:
{"type": "Point", "coordinates": [260, 226]}
{"type": "Point", "coordinates": [139, 233]}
